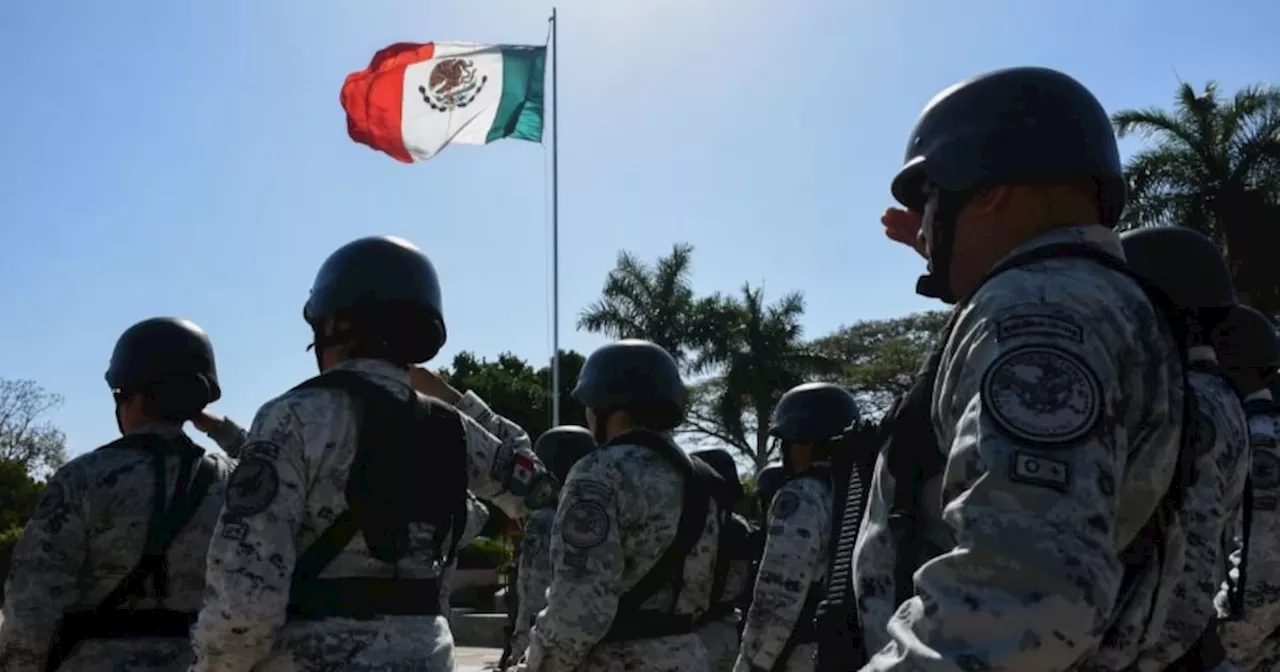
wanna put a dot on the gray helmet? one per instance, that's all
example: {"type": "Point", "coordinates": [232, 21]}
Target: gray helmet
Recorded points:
{"type": "Point", "coordinates": [813, 412]}
{"type": "Point", "coordinates": [1183, 264]}
{"type": "Point", "coordinates": [1247, 339]}
{"type": "Point", "coordinates": [1013, 126]}
{"type": "Point", "coordinates": [168, 356]}
{"type": "Point", "coordinates": [561, 447]}
{"type": "Point", "coordinates": [769, 481]}
{"type": "Point", "coordinates": [389, 277]}
{"type": "Point", "coordinates": [631, 374]}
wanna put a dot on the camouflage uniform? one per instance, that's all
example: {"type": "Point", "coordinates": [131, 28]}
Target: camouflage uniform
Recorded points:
{"type": "Point", "coordinates": [720, 637]}
{"type": "Point", "coordinates": [1253, 642]}
{"type": "Point", "coordinates": [618, 513]}
{"type": "Point", "coordinates": [534, 576]}
{"type": "Point", "coordinates": [1058, 406]}
{"type": "Point", "coordinates": [794, 562]}
{"type": "Point", "coordinates": [1217, 434]}
{"type": "Point", "coordinates": [86, 535]}
{"type": "Point", "coordinates": [477, 516]}
{"type": "Point", "coordinates": [309, 436]}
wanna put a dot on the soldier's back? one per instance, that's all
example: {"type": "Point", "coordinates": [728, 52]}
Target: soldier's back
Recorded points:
{"type": "Point", "coordinates": [89, 533]}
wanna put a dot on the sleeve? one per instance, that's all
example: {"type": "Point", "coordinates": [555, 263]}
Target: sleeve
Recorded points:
{"type": "Point", "coordinates": [534, 579]}
{"type": "Point", "coordinates": [1027, 409]}
{"type": "Point", "coordinates": [477, 516]}
{"type": "Point", "coordinates": [229, 436]}
{"type": "Point", "coordinates": [252, 551]}
{"type": "Point", "coordinates": [44, 573]}
{"type": "Point", "coordinates": [787, 571]}
{"type": "Point", "coordinates": [502, 466]}
{"type": "Point", "coordinates": [586, 582]}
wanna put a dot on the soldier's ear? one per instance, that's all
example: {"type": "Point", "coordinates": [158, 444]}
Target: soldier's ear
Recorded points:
{"type": "Point", "coordinates": [994, 199]}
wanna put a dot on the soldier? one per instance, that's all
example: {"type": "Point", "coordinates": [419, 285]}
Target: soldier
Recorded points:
{"type": "Point", "coordinates": [350, 496]}
{"type": "Point", "coordinates": [769, 480]}
{"type": "Point", "coordinates": [721, 627]}
{"type": "Point", "coordinates": [109, 571]}
{"type": "Point", "coordinates": [633, 545]}
{"type": "Point", "coordinates": [1043, 432]}
{"type": "Point", "coordinates": [1250, 352]}
{"type": "Point", "coordinates": [1189, 270]}
{"type": "Point", "coordinates": [810, 422]}
{"type": "Point", "coordinates": [559, 448]}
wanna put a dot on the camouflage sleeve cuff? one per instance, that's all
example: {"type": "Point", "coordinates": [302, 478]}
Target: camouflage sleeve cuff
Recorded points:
{"type": "Point", "coordinates": [229, 436]}
{"type": "Point", "coordinates": [474, 407]}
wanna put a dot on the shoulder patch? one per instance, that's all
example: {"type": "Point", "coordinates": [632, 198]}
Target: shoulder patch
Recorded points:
{"type": "Point", "coordinates": [1039, 325]}
{"type": "Point", "coordinates": [785, 503]}
{"type": "Point", "coordinates": [586, 524]}
{"type": "Point", "coordinates": [1042, 394]}
{"type": "Point", "coordinates": [1039, 470]}
{"type": "Point", "coordinates": [253, 486]}
{"type": "Point", "coordinates": [1265, 470]}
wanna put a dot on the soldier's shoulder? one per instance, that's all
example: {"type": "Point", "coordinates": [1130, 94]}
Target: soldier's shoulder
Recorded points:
{"type": "Point", "coordinates": [1073, 285]}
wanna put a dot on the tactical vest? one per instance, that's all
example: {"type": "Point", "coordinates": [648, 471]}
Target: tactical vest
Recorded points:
{"type": "Point", "coordinates": [410, 468]}
{"type": "Point", "coordinates": [912, 457]}
{"type": "Point", "coordinates": [168, 519]}
{"type": "Point", "coordinates": [631, 621]}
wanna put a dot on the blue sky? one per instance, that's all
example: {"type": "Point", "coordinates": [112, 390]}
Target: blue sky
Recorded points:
{"type": "Point", "coordinates": [191, 159]}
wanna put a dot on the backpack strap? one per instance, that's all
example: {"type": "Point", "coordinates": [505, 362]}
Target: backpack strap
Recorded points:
{"type": "Point", "coordinates": [632, 622]}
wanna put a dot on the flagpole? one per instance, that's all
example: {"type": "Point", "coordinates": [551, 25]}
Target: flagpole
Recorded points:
{"type": "Point", "coordinates": [555, 227]}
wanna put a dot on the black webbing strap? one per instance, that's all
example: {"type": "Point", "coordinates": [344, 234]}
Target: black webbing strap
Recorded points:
{"type": "Point", "coordinates": [631, 622]}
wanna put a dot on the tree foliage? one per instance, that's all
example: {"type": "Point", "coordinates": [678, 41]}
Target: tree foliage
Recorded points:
{"type": "Point", "coordinates": [881, 357]}
{"type": "Point", "coordinates": [1212, 163]}
{"type": "Point", "coordinates": [25, 437]}
{"type": "Point", "coordinates": [516, 390]}
{"type": "Point", "coordinates": [742, 352]}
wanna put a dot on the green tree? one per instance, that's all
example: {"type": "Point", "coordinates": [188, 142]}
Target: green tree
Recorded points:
{"type": "Point", "coordinates": [760, 354]}
{"type": "Point", "coordinates": [516, 390]}
{"type": "Point", "coordinates": [652, 302]}
{"type": "Point", "coordinates": [1213, 164]}
{"type": "Point", "coordinates": [880, 358]}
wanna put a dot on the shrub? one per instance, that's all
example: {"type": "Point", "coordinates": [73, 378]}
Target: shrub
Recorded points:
{"type": "Point", "coordinates": [483, 553]}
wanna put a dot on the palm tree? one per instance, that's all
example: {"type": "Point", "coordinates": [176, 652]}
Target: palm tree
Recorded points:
{"type": "Point", "coordinates": [1214, 166]}
{"type": "Point", "coordinates": [760, 354]}
{"type": "Point", "coordinates": [651, 302]}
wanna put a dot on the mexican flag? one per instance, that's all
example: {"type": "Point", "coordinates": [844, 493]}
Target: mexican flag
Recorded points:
{"type": "Point", "coordinates": [415, 99]}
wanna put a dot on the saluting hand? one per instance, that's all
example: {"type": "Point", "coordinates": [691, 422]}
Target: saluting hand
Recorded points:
{"type": "Point", "coordinates": [206, 422]}
{"type": "Point", "coordinates": [903, 226]}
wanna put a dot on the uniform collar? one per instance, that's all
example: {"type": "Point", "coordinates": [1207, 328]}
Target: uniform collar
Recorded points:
{"type": "Point", "coordinates": [165, 429]}
{"type": "Point", "coordinates": [378, 370]}
{"type": "Point", "coordinates": [1261, 395]}
{"type": "Point", "coordinates": [1091, 235]}
{"type": "Point", "coordinates": [1201, 354]}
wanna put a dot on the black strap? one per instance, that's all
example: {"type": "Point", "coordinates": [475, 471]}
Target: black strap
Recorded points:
{"type": "Point", "coordinates": [836, 618]}
{"type": "Point", "coordinates": [720, 574]}
{"type": "Point", "coordinates": [631, 622]}
{"type": "Point", "coordinates": [1203, 656]}
{"type": "Point", "coordinates": [325, 549]}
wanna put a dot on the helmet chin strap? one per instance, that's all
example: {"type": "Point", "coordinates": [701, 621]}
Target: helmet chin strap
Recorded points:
{"type": "Point", "coordinates": [936, 284]}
